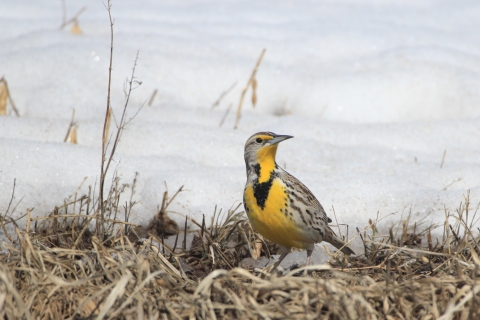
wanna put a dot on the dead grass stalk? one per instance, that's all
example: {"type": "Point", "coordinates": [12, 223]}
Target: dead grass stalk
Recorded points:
{"type": "Point", "coordinates": [252, 82]}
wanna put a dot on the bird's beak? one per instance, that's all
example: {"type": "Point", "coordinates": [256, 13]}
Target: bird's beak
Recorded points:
{"type": "Point", "coordinates": [278, 138]}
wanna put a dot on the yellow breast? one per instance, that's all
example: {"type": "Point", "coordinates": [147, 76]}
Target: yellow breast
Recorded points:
{"type": "Point", "coordinates": [274, 221]}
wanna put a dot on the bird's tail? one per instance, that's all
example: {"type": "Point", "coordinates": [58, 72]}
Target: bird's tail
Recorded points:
{"type": "Point", "coordinates": [338, 243]}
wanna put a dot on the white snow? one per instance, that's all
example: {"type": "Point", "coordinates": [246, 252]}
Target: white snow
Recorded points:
{"type": "Point", "coordinates": [373, 91]}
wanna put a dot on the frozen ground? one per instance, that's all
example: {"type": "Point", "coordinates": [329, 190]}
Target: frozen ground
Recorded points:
{"type": "Point", "coordinates": [373, 91]}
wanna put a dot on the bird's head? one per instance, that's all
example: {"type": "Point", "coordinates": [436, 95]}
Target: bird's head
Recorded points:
{"type": "Point", "coordinates": [262, 147]}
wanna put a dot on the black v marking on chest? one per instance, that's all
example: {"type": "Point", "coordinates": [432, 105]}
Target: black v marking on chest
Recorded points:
{"type": "Point", "coordinates": [261, 190]}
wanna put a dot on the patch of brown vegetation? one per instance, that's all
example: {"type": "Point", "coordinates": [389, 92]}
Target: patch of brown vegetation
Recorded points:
{"type": "Point", "coordinates": [61, 269]}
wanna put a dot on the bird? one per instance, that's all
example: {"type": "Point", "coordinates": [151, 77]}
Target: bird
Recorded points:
{"type": "Point", "coordinates": [279, 206]}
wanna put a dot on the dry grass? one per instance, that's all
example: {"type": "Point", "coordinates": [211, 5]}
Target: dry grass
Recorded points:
{"type": "Point", "coordinates": [252, 82]}
{"type": "Point", "coordinates": [4, 97]}
{"type": "Point", "coordinates": [61, 269]}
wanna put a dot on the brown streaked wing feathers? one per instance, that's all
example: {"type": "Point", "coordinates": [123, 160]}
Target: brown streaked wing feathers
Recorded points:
{"type": "Point", "coordinates": [310, 197]}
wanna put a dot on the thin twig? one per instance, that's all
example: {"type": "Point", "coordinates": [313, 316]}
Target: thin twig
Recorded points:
{"type": "Point", "coordinates": [64, 13]}
{"type": "Point", "coordinates": [451, 183]}
{"type": "Point", "coordinates": [9, 97]}
{"type": "Point", "coordinates": [225, 114]}
{"type": "Point", "coordinates": [75, 17]}
{"type": "Point", "coordinates": [101, 227]}
{"type": "Point", "coordinates": [443, 158]}
{"type": "Point", "coordinates": [152, 97]}
{"type": "Point", "coordinates": [249, 83]}
{"type": "Point", "coordinates": [338, 226]}
{"type": "Point", "coordinates": [122, 119]}
{"type": "Point", "coordinates": [224, 93]}
{"type": "Point", "coordinates": [70, 126]}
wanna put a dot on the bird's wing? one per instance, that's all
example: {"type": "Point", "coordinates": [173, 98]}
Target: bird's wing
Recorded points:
{"type": "Point", "coordinates": [306, 195]}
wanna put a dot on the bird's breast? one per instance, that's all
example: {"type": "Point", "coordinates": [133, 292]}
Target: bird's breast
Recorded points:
{"type": "Point", "coordinates": [270, 215]}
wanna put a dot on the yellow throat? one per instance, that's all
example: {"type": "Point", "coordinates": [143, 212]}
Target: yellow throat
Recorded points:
{"type": "Point", "coordinates": [266, 160]}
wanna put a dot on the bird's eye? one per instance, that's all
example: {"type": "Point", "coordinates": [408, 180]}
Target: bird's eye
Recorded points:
{"type": "Point", "coordinates": [259, 140]}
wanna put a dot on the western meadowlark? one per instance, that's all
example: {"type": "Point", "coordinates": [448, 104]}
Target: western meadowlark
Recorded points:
{"type": "Point", "coordinates": [279, 206]}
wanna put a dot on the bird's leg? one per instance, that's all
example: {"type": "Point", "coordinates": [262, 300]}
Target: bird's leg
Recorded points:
{"type": "Point", "coordinates": [285, 251]}
{"type": "Point", "coordinates": [309, 255]}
